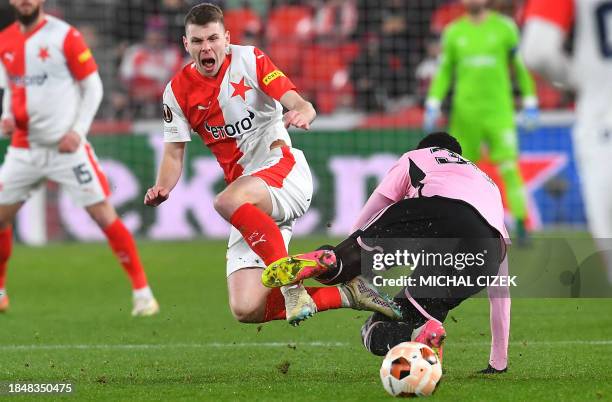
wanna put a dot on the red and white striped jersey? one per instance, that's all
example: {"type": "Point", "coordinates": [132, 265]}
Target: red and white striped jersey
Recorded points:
{"type": "Point", "coordinates": [43, 68]}
{"type": "Point", "coordinates": [591, 21]}
{"type": "Point", "coordinates": [237, 113]}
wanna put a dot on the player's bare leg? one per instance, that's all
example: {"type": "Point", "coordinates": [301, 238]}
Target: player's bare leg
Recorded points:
{"type": "Point", "coordinates": [7, 215]}
{"type": "Point", "coordinates": [124, 247]}
{"type": "Point", "coordinates": [247, 297]}
{"type": "Point", "coordinates": [247, 205]}
{"type": "Point", "coordinates": [251, 302]}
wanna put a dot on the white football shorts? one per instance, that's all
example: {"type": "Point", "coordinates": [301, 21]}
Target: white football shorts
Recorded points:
{"type": "Point", "coordinates": [77, 173]}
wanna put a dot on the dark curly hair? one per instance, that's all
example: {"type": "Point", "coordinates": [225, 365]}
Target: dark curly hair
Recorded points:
{"type": "Point", "coordinates": [441, 139]}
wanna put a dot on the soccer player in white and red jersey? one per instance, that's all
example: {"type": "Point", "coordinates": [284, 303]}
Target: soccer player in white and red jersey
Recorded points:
{"type": "Point", "coordinates": [233, 96]}
{"type": "Point", "coordinates": [432, 201]}
{"type": "Point", "coordinates": [52, 96]}
{"type": "Point", "coordinates": [589, 72]}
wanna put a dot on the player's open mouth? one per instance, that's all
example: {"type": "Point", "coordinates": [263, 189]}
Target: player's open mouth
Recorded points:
{"type": "Point", "coordinates": [208, 63]}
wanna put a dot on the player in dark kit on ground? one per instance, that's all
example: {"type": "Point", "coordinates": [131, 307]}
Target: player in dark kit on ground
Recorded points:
{"type": "Point", "coordinates": [432, 202]}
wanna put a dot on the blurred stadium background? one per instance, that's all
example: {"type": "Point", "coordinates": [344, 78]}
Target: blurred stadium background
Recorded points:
{"type": "Point", "coordinates": [366, 66]}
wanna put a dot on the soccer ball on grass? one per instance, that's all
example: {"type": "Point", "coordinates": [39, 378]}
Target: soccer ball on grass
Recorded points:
{"type": "Point", "coordinates": [410, 369]}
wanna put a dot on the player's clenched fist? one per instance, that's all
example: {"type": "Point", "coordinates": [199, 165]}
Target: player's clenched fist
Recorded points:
{"type": "Point", "coordinates": [7, 125]}
{"type": "Point", "coordinates": [156, 195]}
{"type": "Point", "coordinates": [296, 119]}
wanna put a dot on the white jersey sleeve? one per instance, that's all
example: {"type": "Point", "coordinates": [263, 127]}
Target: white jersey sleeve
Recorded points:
{"type": "Point", "coordinates": [92, 92]}
{"type": "Point", "coordinates": [176, 126]}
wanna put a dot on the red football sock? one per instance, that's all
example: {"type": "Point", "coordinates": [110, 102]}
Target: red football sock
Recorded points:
{"type": "Point", "coordinates": [275, 306]}
{"type": "Point", "coordinates": [326, 298]}
{"type": "Point", "coordinates": [6, 246]}
{"type": "Point", "coordinates": [260, 232]}
{"type": "Point", "coordinates": [123, 245]}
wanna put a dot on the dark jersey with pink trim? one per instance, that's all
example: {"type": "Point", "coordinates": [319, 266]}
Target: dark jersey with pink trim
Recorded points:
{"type": "Point", "coordinates": [43, 68]}
{"type": "Point", "coordinates": [237, 113]}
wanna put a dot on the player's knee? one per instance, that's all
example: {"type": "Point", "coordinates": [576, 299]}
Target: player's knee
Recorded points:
{"type": "Point", "coordinates": [102, 213]}
{"type": "Point", "coordinates": [7, 215]}
{"type": "Point", "coordinates": [227, 202]}
{"type": "Point", "coordinates": [246, 313]}
{"type": "Point", "coordinates": [218, 202]}
{"type": "Point", "coordinates": [246, 190]}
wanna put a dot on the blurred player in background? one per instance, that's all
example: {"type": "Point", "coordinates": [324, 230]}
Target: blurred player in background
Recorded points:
{"type": "Point", "coordinates": [478, 51]}
{"type": "Point", "coordinates": [52, 96]}
{"type": "Point", "coordinates": [233, 97]}
{"type": "Point", "coordinates": [589, 72]}
{"type": "Point", "coordinates": [435, 201]}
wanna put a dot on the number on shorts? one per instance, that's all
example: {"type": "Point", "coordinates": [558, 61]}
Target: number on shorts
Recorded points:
{"type": "Point", "coordinates": [83, 175]}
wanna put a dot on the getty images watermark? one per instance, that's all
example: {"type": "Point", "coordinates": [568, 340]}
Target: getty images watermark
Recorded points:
{"type": "Point", "coordinates": [551, 267]}
{"type": "Point", "coordinates": [441, 269]}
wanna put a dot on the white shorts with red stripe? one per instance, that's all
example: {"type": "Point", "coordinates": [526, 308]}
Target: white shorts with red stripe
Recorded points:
{"type": "Point", "coordinates": [287, 176]}
{"type": "Point", "coordinates": [78, 173]}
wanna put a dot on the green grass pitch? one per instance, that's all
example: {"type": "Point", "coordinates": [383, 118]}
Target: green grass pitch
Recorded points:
{"type": "Point", "coordinates": [70, 322]}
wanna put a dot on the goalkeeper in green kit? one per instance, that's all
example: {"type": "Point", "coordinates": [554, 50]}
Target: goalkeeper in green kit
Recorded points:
{"type": "Point", "coordinates": [478, 51]}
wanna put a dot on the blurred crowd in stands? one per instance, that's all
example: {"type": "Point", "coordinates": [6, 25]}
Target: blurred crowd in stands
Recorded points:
{"type": "Point", "coordinates": [367, 55]}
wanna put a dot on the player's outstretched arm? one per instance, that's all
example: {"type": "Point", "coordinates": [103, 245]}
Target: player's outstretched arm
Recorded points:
{"type": "Point", "coordinates": [169, 174]}
{"type": "Point", "coordinates": [301, 112]}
